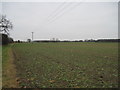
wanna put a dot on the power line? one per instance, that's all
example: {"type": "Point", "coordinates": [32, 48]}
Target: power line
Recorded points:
{"type": "Point", "coordinates": [54, 12]}
{"type": "Point", "coordinates": [57, 12]}
{"type": "Point", "coordinates": [60, 10]}
{"type": "Point", "coordinates": [64, 7]}
{"type": "Point", "coordinates": [58, 16]}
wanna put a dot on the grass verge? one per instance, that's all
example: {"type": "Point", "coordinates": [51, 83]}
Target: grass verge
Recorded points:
{"type": "Point", "coordinates": [8, 68]}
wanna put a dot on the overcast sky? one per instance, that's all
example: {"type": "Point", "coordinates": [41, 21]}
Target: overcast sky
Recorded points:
{"type": "Point", "coordinates": [62, 20]}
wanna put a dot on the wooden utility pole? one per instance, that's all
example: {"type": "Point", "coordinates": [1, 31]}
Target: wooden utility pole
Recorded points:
{"type": "Point", "coordinates": [32, 35]}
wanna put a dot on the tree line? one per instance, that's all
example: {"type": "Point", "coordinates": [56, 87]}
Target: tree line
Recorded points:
{"type": "Point", "coordinates": [88, 40]}
{"type": "Point", "coordinates": [5, 27]}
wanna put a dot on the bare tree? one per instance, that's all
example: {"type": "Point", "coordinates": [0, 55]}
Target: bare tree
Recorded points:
{"type": "Point", "coordinates": [5, 25]}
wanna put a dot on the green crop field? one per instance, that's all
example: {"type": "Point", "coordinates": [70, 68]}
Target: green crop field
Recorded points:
{"type": "Point", "coordinates": [66, 64]}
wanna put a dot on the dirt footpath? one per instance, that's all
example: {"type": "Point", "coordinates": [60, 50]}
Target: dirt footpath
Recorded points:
{"type": "Point", "coordinates": [9, 72]}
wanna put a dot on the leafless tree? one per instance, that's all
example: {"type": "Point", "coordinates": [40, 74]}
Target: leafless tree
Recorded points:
{"type": "Point", "coordinates": [5, 25]}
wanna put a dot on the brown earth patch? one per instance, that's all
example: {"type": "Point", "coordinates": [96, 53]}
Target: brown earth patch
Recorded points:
{"type": "Point", "coordinates": [9, 79]}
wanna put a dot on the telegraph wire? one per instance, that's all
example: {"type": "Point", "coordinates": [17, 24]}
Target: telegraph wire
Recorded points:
{"type": "Point", "coordinates": [60, 10]}
{"type": "Point", "coordinates": [56, 17]}
{"type": "Point", "coordinates": [56, 10]}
